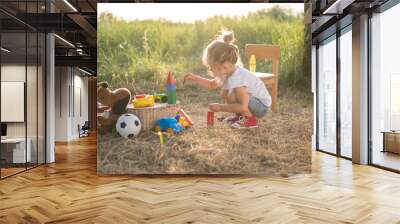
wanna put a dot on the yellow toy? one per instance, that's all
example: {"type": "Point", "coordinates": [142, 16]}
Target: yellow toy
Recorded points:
{"type": "Point", "coordinates": [143, 100]}
{"type": "Point", "coordinates": [253, 63]}
{"type": "Point", "coordinates": [161, 138]}
{"type": "Point", "coordinates": [170, 132]}
{"type": "Point", "coordinates": [183, 122]}
{"type": "Point", "coordinates": [186, 116]}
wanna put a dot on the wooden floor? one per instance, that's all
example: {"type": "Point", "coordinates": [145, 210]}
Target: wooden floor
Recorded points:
{"type": "Point", "coordinates": [69, 191]}
{"type": "Point", "coordinates": [5, 172]}
{"type": "Point", "coordinates": [387, 159]}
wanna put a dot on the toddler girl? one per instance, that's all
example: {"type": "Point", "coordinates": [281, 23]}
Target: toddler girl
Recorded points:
{"type": "Point", "coordinates": [244, 94]}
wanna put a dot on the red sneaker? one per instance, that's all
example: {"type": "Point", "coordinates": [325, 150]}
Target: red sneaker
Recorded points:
{"type": "Point", "coordinates": [231, 119]}
{"type": "Point", "coordinates": [245, 122]}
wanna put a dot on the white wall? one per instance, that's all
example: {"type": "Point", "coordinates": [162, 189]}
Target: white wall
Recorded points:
{"type": "Point", "coordinates": [80, 84]}
{"type": "Point", "coordinates": [61, 104]}
{"type": "Point", "coordinates": [12, 73]}
{"type": "Point", "coordinates": [70, 83]}
{"type": "Point", "coordinates": [33, 126]}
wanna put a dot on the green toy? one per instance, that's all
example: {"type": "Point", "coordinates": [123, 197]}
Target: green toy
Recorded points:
{"type": "Point", "coordinates": [171, 89]}
{"type": "Point", "coordinates": [160, 97]}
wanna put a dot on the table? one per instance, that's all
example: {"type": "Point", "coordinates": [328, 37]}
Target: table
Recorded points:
{"type": "Point", "coordinates": [16, 153]}
{"type": "Point", "coordinates": [391, 141]}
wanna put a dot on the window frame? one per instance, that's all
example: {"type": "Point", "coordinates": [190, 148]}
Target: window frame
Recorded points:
{"type": "Point", "coordinates": [347, 27]}
{"type": "Point", "coordinates": [27, 29]}
{"type": "Point", "coordinates": [381, 9]}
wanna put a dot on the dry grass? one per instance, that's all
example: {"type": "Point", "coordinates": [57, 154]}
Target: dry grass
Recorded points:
{"type": "Point", "coordinates": [279, 146]}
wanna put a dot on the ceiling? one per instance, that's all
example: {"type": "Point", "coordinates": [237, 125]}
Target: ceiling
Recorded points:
{"type": "Point", "coordinates": [73, 21]}
{"type": "Point", "coordinates": [330, 15]}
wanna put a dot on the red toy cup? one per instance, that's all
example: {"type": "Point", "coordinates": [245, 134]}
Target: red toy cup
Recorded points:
{"type": "Point", "coordinates": [210, 119]}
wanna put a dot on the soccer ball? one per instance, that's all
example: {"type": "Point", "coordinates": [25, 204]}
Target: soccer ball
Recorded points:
{"type": "Point", "coordinates": [128, 125]}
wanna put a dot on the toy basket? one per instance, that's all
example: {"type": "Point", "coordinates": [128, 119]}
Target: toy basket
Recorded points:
{"type": "Point", "coordinates": [148, 115]}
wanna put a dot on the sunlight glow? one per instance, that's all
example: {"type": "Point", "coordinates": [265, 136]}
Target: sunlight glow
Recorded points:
{"type": "Point", "coordinates": [188, 12]}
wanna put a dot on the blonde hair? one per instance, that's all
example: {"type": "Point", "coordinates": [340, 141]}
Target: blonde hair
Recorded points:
{"type": "Point", "coordinates": [221, 50]}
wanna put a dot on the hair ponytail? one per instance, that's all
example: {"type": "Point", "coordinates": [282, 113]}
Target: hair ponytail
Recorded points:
{"type": "Point", "coordinates": [227, 36]}
{"type": "Point", "coordinates": [221, 50]}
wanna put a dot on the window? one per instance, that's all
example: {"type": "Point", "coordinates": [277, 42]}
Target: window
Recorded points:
{"type": "Point", "coordinates": [329, 111]}
{"type": "Point", "coordinates": [385, 89]}
{"type": "Point", "coordinates": [327, 96]}
{"type": "Point", "coordinates": [22, 74]}
{"type": "Point", "coordinates": [346, 92]}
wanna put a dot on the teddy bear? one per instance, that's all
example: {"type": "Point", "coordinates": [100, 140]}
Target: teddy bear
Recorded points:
{"type": "Point", "coordinates": [113, 103]}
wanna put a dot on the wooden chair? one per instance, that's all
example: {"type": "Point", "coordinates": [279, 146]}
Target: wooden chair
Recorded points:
{"type": "Point", "coordinates": [268, 52]}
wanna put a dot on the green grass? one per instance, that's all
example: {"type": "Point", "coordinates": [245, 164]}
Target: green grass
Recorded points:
{"type": "Point", "coordinates": [279, 146]}
{"type": "Point", "coordinates": [133, 53]}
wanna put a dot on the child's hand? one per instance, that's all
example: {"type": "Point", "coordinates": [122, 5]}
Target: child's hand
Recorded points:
{"type": "Point", "coordinates": [216, 107]}
{"type": "Point", "coordinates": [188, 77]}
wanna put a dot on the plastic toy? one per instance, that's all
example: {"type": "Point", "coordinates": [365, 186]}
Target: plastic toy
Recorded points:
{"type": "Point", "coordinates": [171, 89]}
{"type": "Point", "coordinates": [181, 120]}
{"type": "Point", "coordinates": [187, 118]}
{"type": "Point", "coordinates": [160, 97]}
{"type": "Point", "coordinates": [143, 100]}
{"type": "Point", "coordinates": [253, 63]}
{"type": "Point", "coordinates": [161, 138]}
{"type": "Point", "coordinates": [210, 119]}
{"type": "Point", "coordinates": [170, 132]}
{"type": "Point", "coordinates": [184, 122]}
{"type": "Point", "coordinates": [128, 125]}
{"type": "Point", "coordinates": [169, 124]}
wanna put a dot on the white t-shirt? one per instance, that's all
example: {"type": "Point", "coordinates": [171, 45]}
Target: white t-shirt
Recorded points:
{"type": "Point", "coordinates": [255, 87]}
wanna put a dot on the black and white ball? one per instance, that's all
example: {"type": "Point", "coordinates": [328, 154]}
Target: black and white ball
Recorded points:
{"type": "Point", "coordinates": [128, 125]}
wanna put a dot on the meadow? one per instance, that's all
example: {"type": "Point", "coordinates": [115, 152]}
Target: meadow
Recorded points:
{"type": "Point", "coordinates": [134, 53]}
{"type": "Point", "coordinates": [279, 146]}
{"type": "Point", "coordinates": [138, 54]}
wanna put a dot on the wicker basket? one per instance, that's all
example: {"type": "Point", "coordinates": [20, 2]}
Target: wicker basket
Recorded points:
{"type": "Point", "coordinates": [149, 115]}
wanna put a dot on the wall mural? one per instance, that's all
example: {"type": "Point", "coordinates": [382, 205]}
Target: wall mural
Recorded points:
{"type": "Point", "coordinates": [193, 89]}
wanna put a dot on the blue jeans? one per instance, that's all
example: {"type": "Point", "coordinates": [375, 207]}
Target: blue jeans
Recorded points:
{"type": "Point", "coordinates": [257, 108]}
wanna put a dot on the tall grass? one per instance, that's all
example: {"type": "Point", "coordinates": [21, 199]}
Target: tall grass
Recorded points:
{"type": "Point", "coordinates": [138, 54]}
